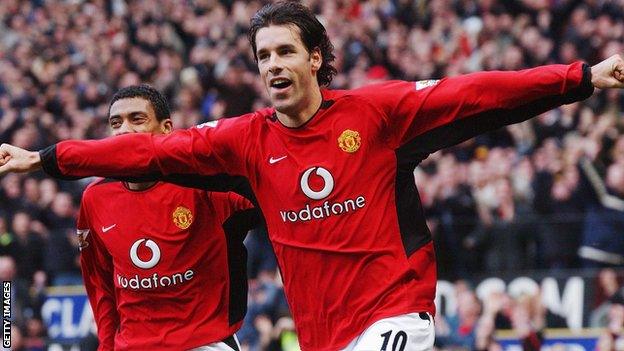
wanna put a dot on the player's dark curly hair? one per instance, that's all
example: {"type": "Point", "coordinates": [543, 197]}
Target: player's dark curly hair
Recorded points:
{"type": "Point", "coordinates": [312, 32]}
{"type": "Point", "coordinates": [144, 91]}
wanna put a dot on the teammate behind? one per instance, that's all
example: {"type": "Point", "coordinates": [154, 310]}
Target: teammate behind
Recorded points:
{"type": "Point", "coordinates": [333, 173]}
{"type": "Point", "coordinates": [164, 266]}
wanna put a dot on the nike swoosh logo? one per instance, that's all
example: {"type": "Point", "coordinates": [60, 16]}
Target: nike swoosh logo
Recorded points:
{"type": "Point", "coordinates": [105, 229]}
{"type": "Point", "coordinates": [274, 160]}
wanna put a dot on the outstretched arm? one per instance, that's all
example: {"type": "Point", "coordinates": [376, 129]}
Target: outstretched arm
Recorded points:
{"type": "Point", "coordinates": [437, 114]}
{"type": "Point", "coordinates": [206, 151]}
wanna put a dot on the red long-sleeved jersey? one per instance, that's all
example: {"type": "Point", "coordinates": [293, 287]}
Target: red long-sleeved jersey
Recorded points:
{"type": "Point", "coordinates": [164, 267]}
{"type": "Point", "coordinates": [338, 193]}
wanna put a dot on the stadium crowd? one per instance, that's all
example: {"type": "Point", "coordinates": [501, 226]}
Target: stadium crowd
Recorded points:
{"type": "Point", "coordinates": [545, 194]}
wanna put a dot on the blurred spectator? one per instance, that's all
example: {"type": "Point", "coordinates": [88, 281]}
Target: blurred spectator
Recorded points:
{"type": "Point", "coordinates": [260, 259]}
{"type": "Point", "coordinates": [34, 338]}
{"type": "Point", "coordinates": [28, 249]}
{"type": "Point", "coordinates": [7, 239]}
{"type": "Point", "coordinates": [606, 342]}
{"type": "Point", "coordinates": [603, 244]}
{"type": "Point", "coordinates": [11, 194]}
{"type": "Point", "coordinates": [19, 290]}
{"type": "Point", "coordinates": [506, 233]}
{"type": "Point", "coordinates": [558, 203]}
{"type": "Point", "coordinates": [235, 90]}
{"type": "Point", "coordinates": [613, 336]}
{"type": "Point", "coordinates": [460, 330]}
{"type": "Point", "coordinates": [61, 259]}
{"type": "Point", "coordinates": [280, 337]}
{"type": "Point", "coordinates": [509, 200]}
{"type": "Point", "coordinates": [17, 340]}
{"type": "Point", "coordinates": [266, 306]}
{"type": "Point", "coordinates": [529, 320]}
{"type": "Point", "coordinates": [609, 291]}
{"type": "Point", "coordinates": [452, 203]}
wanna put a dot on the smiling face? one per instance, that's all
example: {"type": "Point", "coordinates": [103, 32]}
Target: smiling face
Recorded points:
{"type": "Point", "coordinates": [136, 115]}
{"type": "Point", "coordinates": [288, 71]}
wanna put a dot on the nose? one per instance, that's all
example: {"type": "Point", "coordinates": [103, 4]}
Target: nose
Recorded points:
{"type": "Point", "coordinates": [125, 128]}
{"type": "Point", "coordinates": [275, 63]}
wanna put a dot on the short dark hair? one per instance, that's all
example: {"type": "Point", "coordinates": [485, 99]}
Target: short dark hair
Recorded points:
{"type": "Point", "coordinates": [144, 91]}
{"type": "Point", "coordinates": [313, 34]}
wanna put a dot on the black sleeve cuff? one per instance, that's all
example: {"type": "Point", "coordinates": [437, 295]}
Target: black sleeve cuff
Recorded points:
{"type": "Point", "coordinates": [49, 164]}
{"type": "Point", "coordinates": [584, 90]}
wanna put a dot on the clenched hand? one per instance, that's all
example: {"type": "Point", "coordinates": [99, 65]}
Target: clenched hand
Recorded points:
{"type": "Point", "coordinates": [609, 73]}
{"type": "Point", "coordinates": [15, 159]}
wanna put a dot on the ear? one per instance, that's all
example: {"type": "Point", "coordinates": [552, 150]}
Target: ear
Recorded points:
{"type": "Point", "coordinates": [316, 59]}
{"type": "Point", "coordinates": [166, 126]}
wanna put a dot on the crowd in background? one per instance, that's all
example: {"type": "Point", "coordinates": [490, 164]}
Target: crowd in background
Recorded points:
{"type": "Point", "coordinates": [474, 325]}
{"type": "Point", "coordinates": [544, 194]}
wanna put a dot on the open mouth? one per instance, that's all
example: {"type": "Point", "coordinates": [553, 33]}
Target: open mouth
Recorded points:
{"type": "Point", "coordinates": [280, 83]}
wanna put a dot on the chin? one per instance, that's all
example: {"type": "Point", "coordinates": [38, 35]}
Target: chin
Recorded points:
{"type": "Point", "coordinates": [283, 107]}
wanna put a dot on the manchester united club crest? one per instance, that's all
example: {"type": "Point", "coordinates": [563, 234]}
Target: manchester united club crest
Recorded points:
{"type": "Point", "coordinates": [182, 217]}
{"type": "Point", "coordinates": [349, 141]}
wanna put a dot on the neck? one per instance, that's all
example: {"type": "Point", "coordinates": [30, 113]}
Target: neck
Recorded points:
{"type": "Point", "coordinates": [139, 186]}
{"type": "Point", "coordinates": [298, 117]}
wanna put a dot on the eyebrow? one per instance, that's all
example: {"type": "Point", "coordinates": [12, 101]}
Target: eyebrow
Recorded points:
{"type": "Point", "coordinates": [281, 47]}
{"type": "Point", "coordinates": [133, 113]}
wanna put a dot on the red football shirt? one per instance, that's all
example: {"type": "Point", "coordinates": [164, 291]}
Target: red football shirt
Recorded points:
{"type": "Point", "coordinates": [338, 192]}
{"type": "Point", "coordinates": [164, 267]}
